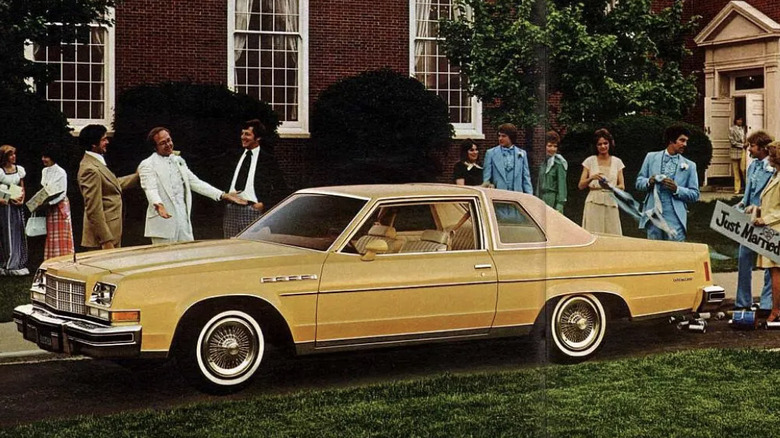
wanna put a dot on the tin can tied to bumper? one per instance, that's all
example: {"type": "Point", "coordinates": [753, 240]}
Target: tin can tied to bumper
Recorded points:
{"type": "Point", "coordinates": [695, 325]}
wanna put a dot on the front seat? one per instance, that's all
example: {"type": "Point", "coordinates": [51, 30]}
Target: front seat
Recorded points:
{"type": "Point", "coordinates": [380, 232]}
{"type": "Point", "coordinates": [430, 241]}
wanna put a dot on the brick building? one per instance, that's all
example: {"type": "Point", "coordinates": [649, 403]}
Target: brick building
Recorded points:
{"type": "Point", "coordinates": [286, 52]}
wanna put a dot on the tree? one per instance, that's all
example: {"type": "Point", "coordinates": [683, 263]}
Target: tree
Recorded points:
{"type": "Point", "coordinates": [27, 22]}
{"type": "Point", "coordinates": [605, 62]}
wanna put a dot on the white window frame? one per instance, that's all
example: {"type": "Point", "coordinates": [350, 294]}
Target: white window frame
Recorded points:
{"type": "Point", "coordinates": [109, 73]}
{"type": "Point", "coordinates": [299, 128]}
{"type": "Point", "coordinates": [471, 130]}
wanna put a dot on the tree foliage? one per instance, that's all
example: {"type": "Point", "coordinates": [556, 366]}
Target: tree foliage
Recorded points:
{"type": "Point", "coordinates": [605, 62]}
{"type": "Point", "coordinates": [26, 22]}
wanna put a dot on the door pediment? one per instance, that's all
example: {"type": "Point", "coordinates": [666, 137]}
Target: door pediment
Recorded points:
{"type": "Point", "coordinates": [737, 22]}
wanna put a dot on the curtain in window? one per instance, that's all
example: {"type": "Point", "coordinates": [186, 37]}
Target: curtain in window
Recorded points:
{"type": "Point", "coordinates": [98, 39]}
{"type": "Point", "coordinates": [423, 63]}
{"type": "Point", "coordinates": [289, 13]}
{"type": "Point", "coordinates": [243, 7]}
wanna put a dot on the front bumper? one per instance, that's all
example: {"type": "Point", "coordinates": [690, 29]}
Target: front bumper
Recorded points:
{"type": "Point", "coordinates": [61, 334]}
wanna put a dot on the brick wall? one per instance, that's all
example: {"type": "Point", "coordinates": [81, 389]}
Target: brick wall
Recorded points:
{"type": "Point", "coordinates": [177, 40]}
{"type": "Point", "coordinates": [348, 37]}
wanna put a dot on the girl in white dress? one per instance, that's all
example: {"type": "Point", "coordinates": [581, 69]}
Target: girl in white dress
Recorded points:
{"type": "Point", "coordinates": [13, 242]}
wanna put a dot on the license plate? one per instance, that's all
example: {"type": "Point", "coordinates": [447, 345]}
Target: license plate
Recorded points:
{"type": "Point", "coordinates": [44, 339]}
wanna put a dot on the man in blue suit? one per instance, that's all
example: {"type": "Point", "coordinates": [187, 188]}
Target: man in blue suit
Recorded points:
{"type": "Point", "coordinates": [758, 175]}
{"type": "Point", "coordinates": [506, 165]}
{"type": "Point", "coordinates": [671, 182]}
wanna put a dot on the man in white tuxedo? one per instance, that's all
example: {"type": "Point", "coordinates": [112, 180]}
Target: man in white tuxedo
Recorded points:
{"type": "Point", "coordinates": [168, 184]}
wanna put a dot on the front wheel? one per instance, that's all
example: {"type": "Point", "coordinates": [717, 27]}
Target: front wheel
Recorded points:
{"type": "Point", "coordinates": [577, 326]}
{"type": "Point", "coordinates": [222, 353]}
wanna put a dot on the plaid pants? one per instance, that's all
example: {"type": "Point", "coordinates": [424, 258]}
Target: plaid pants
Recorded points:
{"type": "Point", "coordinates": [59, 231]}
{"type": "Point", "coordinates": [238, 217]}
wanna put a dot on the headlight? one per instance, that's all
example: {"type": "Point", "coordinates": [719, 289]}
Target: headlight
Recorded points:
{"type": "Point", "coordinates": [39, 279]}
{"type": "Point", "coordinates": [102, 294]}
{"type": "Point", "coordinates": [38, 289]}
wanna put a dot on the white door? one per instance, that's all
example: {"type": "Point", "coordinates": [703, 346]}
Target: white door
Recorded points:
{"type": "Point", "coordinates": [754, 115]}
{"type": "Point", "coordinates": [717, 113]}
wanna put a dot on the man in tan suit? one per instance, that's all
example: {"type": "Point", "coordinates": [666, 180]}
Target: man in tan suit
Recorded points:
{"type": "Point", "coordinates": [102, 192]}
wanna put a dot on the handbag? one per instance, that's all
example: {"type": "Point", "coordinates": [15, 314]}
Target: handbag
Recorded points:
{"type": "Point", "coordinates": [36, 226]}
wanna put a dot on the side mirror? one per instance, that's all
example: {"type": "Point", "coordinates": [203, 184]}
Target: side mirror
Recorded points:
{"type": "Point", "coordinates": [373, 248]}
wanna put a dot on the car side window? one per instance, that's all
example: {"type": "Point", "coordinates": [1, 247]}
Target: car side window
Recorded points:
{"type": "Point", "coordinates": [515, 225]}
{"type": "Point", "coordinates": [419, 227]}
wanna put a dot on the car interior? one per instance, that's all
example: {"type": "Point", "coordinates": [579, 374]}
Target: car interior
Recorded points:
{"type": "Point", "coordinates": [419, 228]}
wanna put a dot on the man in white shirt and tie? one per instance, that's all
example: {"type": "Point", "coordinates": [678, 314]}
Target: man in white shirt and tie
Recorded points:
{"type": "Point", "coordinates": [168, 184]}
{"type": "Point", "coordinates": [257, 179]}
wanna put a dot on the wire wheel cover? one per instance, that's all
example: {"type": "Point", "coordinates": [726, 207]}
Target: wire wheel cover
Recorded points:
{"type": "Point", "coordinates": [578, 324]}
{"type": "Point", "coordinates": [229, 348]}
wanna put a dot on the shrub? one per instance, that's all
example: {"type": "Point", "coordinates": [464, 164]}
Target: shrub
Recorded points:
{"type": "Point", "coordinates": [30, 123]}
{"type": "Point", "coordinates": [379, 127]}
{"type": "Point", "coordinates": [205, 124]}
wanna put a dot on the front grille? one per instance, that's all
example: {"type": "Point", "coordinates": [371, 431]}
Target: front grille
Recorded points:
{"type": "Point", "coordinates": [65, 295]}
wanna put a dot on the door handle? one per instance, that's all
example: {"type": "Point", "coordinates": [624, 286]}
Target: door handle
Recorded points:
{"type": "Point", "coordinates": [483, 266]}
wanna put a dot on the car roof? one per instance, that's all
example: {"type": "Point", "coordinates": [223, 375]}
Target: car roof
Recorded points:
{"type": "Point", "coordinates": [376, 191]}
{"type": "Point", "coordinates": [560, 230]}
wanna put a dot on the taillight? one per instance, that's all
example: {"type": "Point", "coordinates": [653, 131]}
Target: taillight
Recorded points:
{"type": "Point", "coordinates": [707, 271]}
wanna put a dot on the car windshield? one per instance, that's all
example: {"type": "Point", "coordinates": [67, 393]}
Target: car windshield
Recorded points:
{"type": "Point", "coordinates": [306, 220]}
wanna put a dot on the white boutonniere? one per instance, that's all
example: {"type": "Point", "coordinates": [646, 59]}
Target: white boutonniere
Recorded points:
{"type": "Point", "coordinates": [768, 168]}
{"type": "Point", "coordinates": [684, 166]}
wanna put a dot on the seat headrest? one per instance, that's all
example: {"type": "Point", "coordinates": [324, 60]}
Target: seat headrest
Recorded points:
{"type": "Point", "coordinates": [382, 231]}
{"type": "Point", "coordinates": [435, 236]}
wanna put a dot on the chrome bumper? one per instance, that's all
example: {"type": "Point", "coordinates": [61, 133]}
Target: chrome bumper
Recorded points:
{"type": "Point", "coordinates": [713, 295]}
{"type": "Point", "coordinates": [68, 335]}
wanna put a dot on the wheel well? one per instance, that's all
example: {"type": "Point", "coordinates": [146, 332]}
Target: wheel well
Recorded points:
{"type": "Point", "coordinates": [614, 306]}
{"type": "Point", "coordinates": [275, 329]}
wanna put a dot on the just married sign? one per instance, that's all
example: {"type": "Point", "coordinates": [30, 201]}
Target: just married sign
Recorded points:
{"type": "Point", "coordinates": [738, 226]}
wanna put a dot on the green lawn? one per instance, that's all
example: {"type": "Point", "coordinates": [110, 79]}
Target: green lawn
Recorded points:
{"type": "Point", "coordinates": [704, 393]}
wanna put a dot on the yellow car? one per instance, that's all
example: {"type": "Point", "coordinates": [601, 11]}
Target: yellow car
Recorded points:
{"type": "Point", "coordinates": [355, 267]}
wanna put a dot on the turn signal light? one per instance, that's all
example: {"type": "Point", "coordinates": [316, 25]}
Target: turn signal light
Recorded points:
{"type": "Point", "coordinates": [707, 271]}
{"type": "Point", "coordinates": [126, 316]}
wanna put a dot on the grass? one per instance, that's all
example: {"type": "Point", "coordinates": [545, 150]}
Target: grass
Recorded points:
{"type": "Point", "coordinates": [703, 393]}
{"type": "Point", "coordinates": [14, 291]}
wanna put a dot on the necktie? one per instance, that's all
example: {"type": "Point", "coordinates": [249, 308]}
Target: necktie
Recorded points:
{"type": "Point", "coordinates": [243, 173]}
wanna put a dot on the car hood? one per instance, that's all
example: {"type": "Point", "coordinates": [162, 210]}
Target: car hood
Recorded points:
{"type": "Point", "coordinates": [139, 258]}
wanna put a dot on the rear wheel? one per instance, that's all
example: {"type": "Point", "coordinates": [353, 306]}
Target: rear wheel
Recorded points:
{"type": "Point", "coordinates": [220, 354]}
{"type": "Point", "coordinates": [576, 327]}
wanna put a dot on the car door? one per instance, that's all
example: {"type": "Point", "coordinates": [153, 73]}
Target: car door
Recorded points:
{"type": "Point", "coordinates": [413, 294]}
{"type": "Point", "coordinates": [520, 255]}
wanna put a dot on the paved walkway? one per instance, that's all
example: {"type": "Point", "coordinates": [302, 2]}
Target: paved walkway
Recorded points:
{"type": "Point", "coordinates": [12, 345]}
